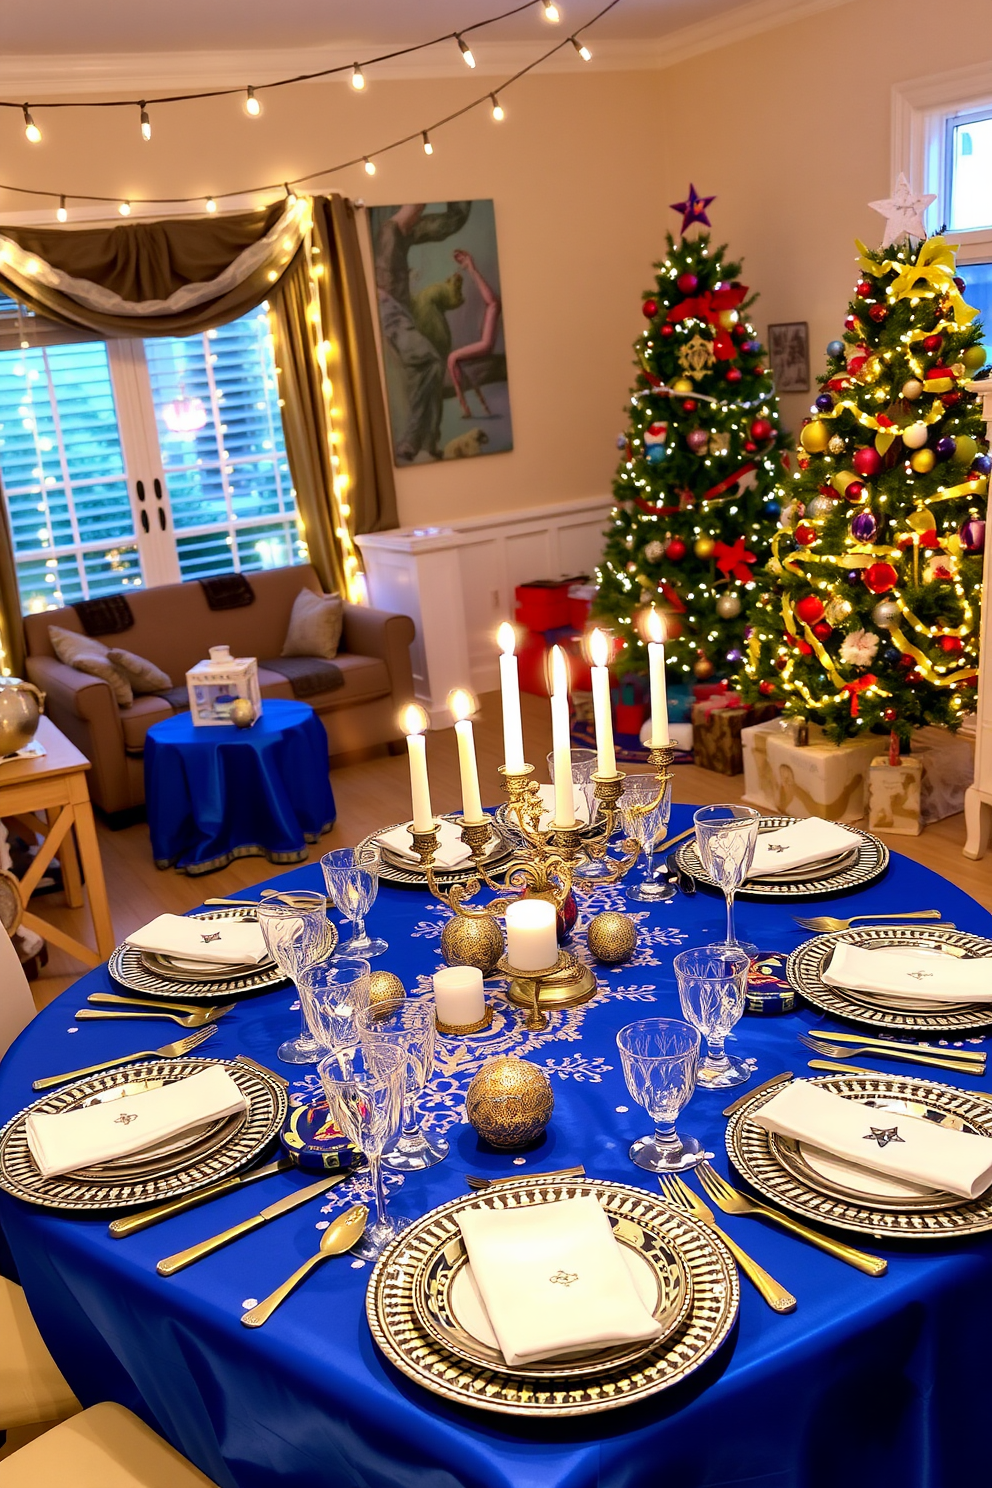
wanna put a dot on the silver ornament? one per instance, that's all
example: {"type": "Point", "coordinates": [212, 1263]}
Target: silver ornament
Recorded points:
{"type": "Point", "coordinates": [836, 445]}
{"type": "Point", "coordinates": [836, 611]}
{"type": "Point", "coordinates": [728, 606]}
{"type": "Point", "coordinates": [820, 507]}
{"type": "Point", "coordinates": [791, 514]}
{"type": "Point", "coordinates": [653, 551]}
{"type": "Point", "coordinates": [885, 613]}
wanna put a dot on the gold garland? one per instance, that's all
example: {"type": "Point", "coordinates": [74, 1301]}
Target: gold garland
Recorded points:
{"type": "Point", "coordinates": [931, 275]}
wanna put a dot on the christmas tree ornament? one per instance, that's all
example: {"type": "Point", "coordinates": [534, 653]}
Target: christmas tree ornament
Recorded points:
{"type": "Point", "coordinates": [890, 715]}
{"type": "Point", "coordinates": [903, 212]}
{"type": "Point", "coordinates": [623, 443]}
{"type": "Point", "coordinates": [703, 668]}
{"type": "Point", "coordinates": [906, 662]}
{"type": "Point", "coordinates": [682, 385]}
{"type": "Point", "coordinates": [835, 349]}
{"type": "Point", "coordinates": [697, 440]}
{"type": "Point", "coordinates": [656, 433]}
{"type": "Point", "coordinates": [805, 535]}
{"type": "Point", "coordinates": [687, 283]}
{"type": "Point", "coordinates": [880, 577]}
{"type": "Point", "coordinates": [878, 313]}
{"type": "Point", "coordinates": [972, 535]}
{"type": "Point", "coordinates": [981, 465]}
{"type": "Point", "coordinates": [761, 429]}
{"type": "Point", "coordinates": [944, 448]}
{"type": "Point", "coordinates": [656, 453]}
{"type": "Point", "coordinates": [822, 630]}
{"type": "Point", "coordinates": [858, 648]}
{"type": "Point", "coordinates": [612, 937]}
{"type": "Point", "coordinates": [867, 462]}
{"type": "Point", "coordinates": [790, 514]}
{"type": "Point", "coordinates": [915, 436]}
{"type": "Point", "coordinates": [891, 656]}
{"type": "Point", "coordinates": [965, 449]}
{"type": "Point", "coordinates": [911, 389]}
{"type": "Point", "coordinates": [728, 319]}
{"type": "Point", "coordinates": [958, 369]}
{"type": "Point", "coordinates": [855, 491]}
{"type": "Point", "coordinates": [509, 1102]}
{"type": "Point", "coordinates": [703, 546]}
{"type": "Point", "coordinates": [850, 322]}
{"type": "Point", "coordinates": [863, 289]}
{"type": "Point", "coordinates": [766, 688]}
{"type": "Point", "coordinates": [810, 609]}
{"type": "Point", "coordinates": [863, 526]}
{"type": "Point", "coordinates": [696, 357]}
{"type": "Point", "coordinates": [837, 445]}
{"type": "Point", "coordinates": [667, 330]}
{"type": "Point", "coordinates": [837, 609]}
{"type": "Point", "coordinates": [814, 437]}
{"type": "Point", "coordinates": [654, 551]}
{"type": "Point", "coordinates": [932, 343]}
{"type": "Point", "coordinates": [974, 357]}
{"type": "Point", "coordinates": [951, 645]}
{"type": "Point", "coordinates": [650, 309]}
{"type": "Point", "coordinates": [821, 507]}
{"type": "Point", "coordinates": [841, 479]}
{"type": "Point", "coordinates": [675, 550]}
{"type": "Point", "coordinates": [690, 405]}
{"type": "Point", "coordinates": [728, 606]}
{"type": "Point", "coordinates": [923, 461]}
{"type": "Point", "coordinates": [734, 374]}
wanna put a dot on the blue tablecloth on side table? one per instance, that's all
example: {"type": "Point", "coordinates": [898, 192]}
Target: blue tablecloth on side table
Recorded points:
{"type": "Point", "coordinates": [219, 792]}
{"type": "Point", "coordinates": [876, 1383]}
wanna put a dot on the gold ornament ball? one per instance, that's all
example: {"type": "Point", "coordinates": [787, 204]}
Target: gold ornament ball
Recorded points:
{"type": "Point", "coordinates": [923, 461]}
{"type": "Point", "coordinates": [836, 445]}
{"type": "Point", "coordinates": [703, 668]}
{"type": "Point", "coordinates": [703, 547]}
{"type": "Point", "coordinates": [242, 713]}
{"type": "Point", "coordinates": [612, 937]}
{"type": "Point", "coordinates": [386, 991]}
{"type": "Point", "coordinates": [815, 437]}
{"type": "Point", "coordinates": [728, 319]}
{"type": "Point", "coordinates": [509, 1102]}
{"type": "Point", "coordinates": [683, 385]}
{"type": "Point", "coordinates": [472, 940]}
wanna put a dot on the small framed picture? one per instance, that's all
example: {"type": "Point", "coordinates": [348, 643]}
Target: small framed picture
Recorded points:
{"type": "Point", "coordinates": [788, 352]}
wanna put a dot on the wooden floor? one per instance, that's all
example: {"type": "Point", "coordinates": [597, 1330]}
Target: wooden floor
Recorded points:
{"type": "Point", "coordinates": [376, 792]}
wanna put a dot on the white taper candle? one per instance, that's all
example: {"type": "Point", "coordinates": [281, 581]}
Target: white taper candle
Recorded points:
{"type": "Point", "coordinates": [656, 673]}
{"type": "Point", "coordinates": [513, 734]}
{"type": "Point", "coordinates": [414, 723]}
{"type": "Point", "coordinates": [561, 741]}
{"type": "Point", "coordinates": [462, 704]}
{"type": "Point", "coordinates": [606, 759]}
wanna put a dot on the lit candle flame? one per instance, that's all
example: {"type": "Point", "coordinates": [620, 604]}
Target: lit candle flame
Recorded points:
{"type": "Point", "coordinates": [414, 720]}
{"type": "Point", "coordinates": [506, 638]}
{"type": "Point", "coordinates": [599, 648]}
{"type": "Point", "coordinates": [461, 704]}
{"type": "Point", "coordinates": [654, 624]}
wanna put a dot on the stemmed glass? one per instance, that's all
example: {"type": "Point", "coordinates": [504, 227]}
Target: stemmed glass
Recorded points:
{"type": "Point", "coordinates": [364, 1100]}
{"type": "Point", "coordinates": [296, 935]}
{"type": "Point", "coordinates": [410, 1027]}
{"type": "Point", "coordinates": [725, 838]}
{"type": "Point", "coordinates": [712, 982]}
{"type": "Point", "coordinates": [659, 1058]}
{"type": "Point", "coordinates": [334, 995]}
{"type": "Point", "coordinates": [646, 827]}
{"type": "Point", "coordinates": [352, 878]}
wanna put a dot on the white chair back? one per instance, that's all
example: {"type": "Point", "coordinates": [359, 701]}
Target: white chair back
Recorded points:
{"type": "Point", "coordinates": [16, 1003]}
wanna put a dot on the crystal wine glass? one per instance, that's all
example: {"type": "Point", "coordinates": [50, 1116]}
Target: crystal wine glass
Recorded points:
{"type": "Point", "coordinates": [335, 995]}
{"type": "Point", "coordinates": [725, 838]}
{"type": "Point", "coordinates": [584, 762]}
{"type": "Point", "coordinates": [352, 878]}
{"type": "Point", "coordinates": [659, 1058]}
{"type": "Point", "coordinates": [412, 1028]}
{"type": "Point", "coordinates": [712, 982]}
{"type": "Point", "coordinates": [646, 827]}
{"type": "Point", "coordinates": [364, 1101]}
{"type": "Point", "coordinates": [296, 935]}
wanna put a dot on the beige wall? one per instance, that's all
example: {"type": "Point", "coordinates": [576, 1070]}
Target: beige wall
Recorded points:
{"type": "Point", "coordinates": [790, 129]}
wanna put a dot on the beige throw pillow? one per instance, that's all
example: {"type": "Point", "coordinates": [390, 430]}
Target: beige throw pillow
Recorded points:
{"type": "Point", "coordinates": [144, 676]}
{"type": "Point", "coordinates": [315, 625]}
{"type": "Point", "coordinates": [91, 656]}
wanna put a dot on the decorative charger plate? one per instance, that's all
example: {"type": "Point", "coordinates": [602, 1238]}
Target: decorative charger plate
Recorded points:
{"type": "Point", "coordinates": [401, 876]}
{"type": "Point", "coordinates": [807, 963]}
{"type": "Point", "coordinates": [757, 1156]}
{"type": "Point", "coordinates": [443, 1368]}
{"type": "Point", "coordinates": [839, 875]}
{"type": "Point", "coordinates": [212, 1152]}
{"type": "Point", "coordinates": [129, 967]}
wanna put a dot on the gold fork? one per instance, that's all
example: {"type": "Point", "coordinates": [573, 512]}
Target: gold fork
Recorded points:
{"type": "Point", "coordinates": [731, 1201]}
{"type": "Point", "coordinates": [156, 1005]}
{"type": "Point", "coordinates": [479, 1183]}
{"type": "Point", "coordinates": [965, 1065]}
{"type": "Point", "coordinates": [199, 1019]}
{"type": "Point", "coordinates": [168, 1051]}
{"type": "Point", "coordinates": [828, 925]}
{"type": "Point", "coordinates": [680, 1196]}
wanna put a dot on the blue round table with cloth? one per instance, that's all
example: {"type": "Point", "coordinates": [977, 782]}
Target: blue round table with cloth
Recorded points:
{"type": "Point", "coordinates": [218, 792]}
{"type": "Point", "coordinates": [879, 1382]}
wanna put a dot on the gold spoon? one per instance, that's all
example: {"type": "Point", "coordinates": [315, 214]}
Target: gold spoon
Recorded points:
{"type": "Point", "coordinates": [340, 1236]}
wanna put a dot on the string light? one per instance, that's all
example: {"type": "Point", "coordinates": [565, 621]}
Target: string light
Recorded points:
{"type": "Point", "coordinates": [428, 147]}
{"type": "Point", "coordinates": [211, 204]}
{"type": "Point", "coordinates": [31, 129]}
{"type": "Point", "coordinates": [498, 113]}
{"type": "Point", "coordinates": [125, 209]}
{"type": "Point", "coordinates": [252, 105]}
{"type": "Point", "coordinates": [369, 166]}
{"type": "Point", "coordinates": [466, 51]}
{"type": "Point", "coordinates": [581, 48]}
{"type": "Point", "coordinates": [146, 124]}
{"type": "Point", "coordinates": [290, 194]}
{"type": "Point", "coordinates": [357, 78]}
{"type": "Point", "coordinates": [62, 214]}
{"type": "Point", "coordinates": [551, 11]}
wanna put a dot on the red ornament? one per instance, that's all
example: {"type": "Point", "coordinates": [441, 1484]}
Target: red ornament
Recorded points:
{"type": "Point", "coordinates": [856, 363]}
{"type": "Point", "coordinates": [883, 421]}
{"type": "Point", "coordinates": [687, 283]}
{"type": "Point", "coordinates": [850, 322]}
{"type": "Point", "coordinates": [907, 663]}
{"type": "Point", "coordinates": [734, 374]}
{"type": "Point", "coordinates": [689, 406]}
{"type": "Point", "coordinates": [766, 688]}
{"type": "Point", "coordinates": [761, 429]}
{"type": "Point", "coordinates": [675, 550]}
{"type": "Point", "coordinates": [912, 678]}
{"type": "Point", "coordinates": [822, 630]}
{"type": "Point", "coordinates": [951, 644]}
{"type": "Point", "coordinates": [932, 343]}
{"type": "Point", "coordinates": [880, 577]}
{"type": "Point", "coordinates": [805, 536]}
{"type": "Point", "coordinates": [667, 330]}
{"type": "Point", "coordinates": [809, 609]}
{"type": "Point", "coordinates": [949, 399]}
{"type": "Point", "coordinates": [863, 288]}
{"type": "Point", "coordinates": [890, 715]}
{"type": "Point", "coordinates": [759, 371]}
{"type": "Point", "coordinates": [854, 492]}
{"type": "Point", "coordinates": [878, 313]}
{"type": "Point", "coordinates": [749, 446]}
{"type": "Point", "coordinates": [804, 648]}
{"type": "Point", "coordinates": [650, 309]}
{"type": "Point", "coordinates": [867, 461]}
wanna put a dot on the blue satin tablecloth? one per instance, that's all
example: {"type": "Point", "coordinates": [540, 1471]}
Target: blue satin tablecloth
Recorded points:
{"type": "Point", "coordinates": [219, 792]}
{"type": "Point", "coordinates": [880, 1382]}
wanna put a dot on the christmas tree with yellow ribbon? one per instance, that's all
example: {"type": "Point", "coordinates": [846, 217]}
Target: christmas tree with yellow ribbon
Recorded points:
{"type": "Point", "coordinates": [869, 613]}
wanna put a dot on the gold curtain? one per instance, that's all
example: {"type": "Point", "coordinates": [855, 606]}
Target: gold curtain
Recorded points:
{"type": "Point", "coordinates": [11, 634]}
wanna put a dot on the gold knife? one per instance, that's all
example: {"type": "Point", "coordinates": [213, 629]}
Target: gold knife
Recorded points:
{"type": "Point", "coordinates": [860, 1069]}
{"type": "Point", "coordinates": [182, 1258]}
{"type": "Point", "coordinates": [970, 1056]}
{"type": "Point", "coordinates": [742, 1100]}
{"type": "Point", "coordinates": [132, 1223]}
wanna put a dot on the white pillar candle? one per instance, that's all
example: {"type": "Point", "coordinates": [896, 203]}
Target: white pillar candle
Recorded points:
{"type": "Point", "coordinates": [462, 704]}
{"type": "Point", "coordinates": [606, 759]}
{"type": "Point", "coordinates": [414, 724]}
{"type": "Point", "coordinates": [513, 734]}
{"type": "Point", "coordinates": [561, 742]}
{"type": "Point", "coordinates": [531, 935]}
{"type": "Point", "coordinates": [656, 674]}
{"type": "Point", "coordinates": [459, 999]}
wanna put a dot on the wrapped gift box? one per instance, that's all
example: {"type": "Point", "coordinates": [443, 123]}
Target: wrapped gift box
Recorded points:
{"type": "Point", "coordinates": [822, 779]}
{"type": "Point", "coordinates": [717, 725]}
{"type": "Point", "coordinates": [894, 795]}
{"type": "Point", "coordinates": [543, 604]}
{"type": "Point", "coordinates": [532, 661]}
{"type": "Point", "coordinates": [948, 762]}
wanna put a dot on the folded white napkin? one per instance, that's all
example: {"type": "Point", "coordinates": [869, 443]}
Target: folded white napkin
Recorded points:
{"type": "Point", "coordinates": [553, 1279]}
{"type": "Point", "coordinates": [912, 973]}
{"type": "Point", "coordinates": [905, 1147]}
{"type": "Point", "coordinates": [802, 842]}
{"type": "Point", "coordinates": [451, 850]}
{"type": "Point", "coordinates": [579, 806]}
{"type": "Point", "coordinates": [218, 942]}
{"type": "Point", "coordinates": [63, 1142]}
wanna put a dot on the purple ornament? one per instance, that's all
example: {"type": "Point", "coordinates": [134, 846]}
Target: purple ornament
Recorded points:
{"type": "Point", "coordinates": [621, 441]}
{"type": "Point", "coordinates": [748, 632]}
{"type": "Point", "coordinates": [863, 526]}
{"type": "Point", "coordinates": [853, 576]}
{"type": "Point", "coordinates": [752, 346]}
{"type": "Point", "coordinates": [944, 448]}
{"type": "Point", "coordinates": [972, 535]}
{"type": "Point", "coordinates": [982, 464]}
{"type": "Point", "coordinates": [697, 440]}
{"type": "Point", "coordinates": [734, 656]}
{"type": "Point", "coordinates": [824, 402]}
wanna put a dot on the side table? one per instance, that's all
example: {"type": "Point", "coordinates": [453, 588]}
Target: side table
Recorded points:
{"type": "Point", "coordinates": [218, 792]}
{"type": "Point", "coordinates": [55, 783]}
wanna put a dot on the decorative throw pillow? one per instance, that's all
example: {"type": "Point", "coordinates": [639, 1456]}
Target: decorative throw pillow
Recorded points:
{"type": "Point", "coordinates": [144, 676]}
{"type": "Point", "coordinates": [91, 656]}
{"type": "Point", "coordinates": [315, 625]}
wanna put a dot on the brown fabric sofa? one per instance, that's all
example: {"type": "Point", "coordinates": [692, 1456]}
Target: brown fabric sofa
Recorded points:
{"type": "Point", "coordinates": [173, 627]}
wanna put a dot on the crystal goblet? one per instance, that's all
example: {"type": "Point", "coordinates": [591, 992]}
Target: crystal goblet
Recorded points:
{"type": "Point", "coordinates": [659, 1058]}
{"type": "Point", "coordinates": [644, 812]}
{"type": "Point", "coordinates": [412, 1028]}
{"type": "Point", "coordinates": [335, 995]}
{"type": "Point", "coordinates": [364, 1100]}
{"type": "Point", "coordinates": [296, 935]}
{"type": "Point", "coordinates": [725, 837]}
{"type": "Point", "coordinates": [712, 983]}
{"type": "Point", "coordinates": [352, 878]}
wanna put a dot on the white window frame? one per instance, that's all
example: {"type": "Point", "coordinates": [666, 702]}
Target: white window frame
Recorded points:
{"type": "Point", "coordinates": [920, 110]}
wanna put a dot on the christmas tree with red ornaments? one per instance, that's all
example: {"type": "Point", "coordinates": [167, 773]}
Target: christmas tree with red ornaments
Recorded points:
{"type": "Point", "coordinates": [699, 486]}
{"type": "Point", "coordinates": [868, 613]}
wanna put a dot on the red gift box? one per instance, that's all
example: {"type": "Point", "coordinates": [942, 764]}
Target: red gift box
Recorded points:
{"type": "Point", "coordinates": [629, 718]}
{"type": "Point", "coordinates": [532, 662]}
{"type": "Point", "coordinates": [542, 605]}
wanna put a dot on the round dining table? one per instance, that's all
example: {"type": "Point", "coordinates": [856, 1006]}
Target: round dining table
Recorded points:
{"type": "Point", "coordinates": [877, 1381]}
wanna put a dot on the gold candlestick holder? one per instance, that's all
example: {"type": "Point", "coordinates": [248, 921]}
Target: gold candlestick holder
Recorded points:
{"type": "Point", "coordinates": [565, 984]}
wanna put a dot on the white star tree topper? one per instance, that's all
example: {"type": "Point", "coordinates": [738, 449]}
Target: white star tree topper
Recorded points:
{"type": "Point", "coordinates": [903, 213]}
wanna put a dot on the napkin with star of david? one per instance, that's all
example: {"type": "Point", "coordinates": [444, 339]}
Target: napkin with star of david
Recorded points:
{"type": "Point", "coordinates": [801, 844]}
{"type": "Point", "coordinates": [553, 1279]}
{"type": "Point", "coordinates": [64, 1141]}
{"type": "Point", "coordinates": [904, 1147]}
{"type": "Point", "coordinates": [914, 973]}
{"type": "Point", "coordinates": [222, 942]}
